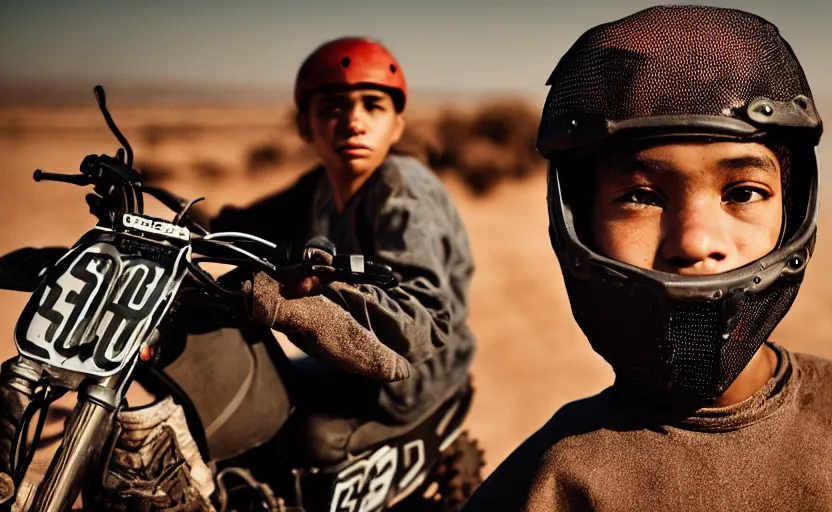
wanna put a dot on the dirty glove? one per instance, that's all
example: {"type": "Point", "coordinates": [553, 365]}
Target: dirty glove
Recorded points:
{"type": "Point", "coordinates": [319, 254]}
{"type": "Point", "coordinates": [321, 328]}
{"type": "Point", "coordinates": [154, 464]}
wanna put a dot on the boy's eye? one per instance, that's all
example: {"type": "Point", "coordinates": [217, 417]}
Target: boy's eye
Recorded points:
{"type": "Point", "coordinates": [641, 196]}
{"type": "Point", "coordinates": [746, 194]}
{"type": "Point", "coordinates": [332, 108]}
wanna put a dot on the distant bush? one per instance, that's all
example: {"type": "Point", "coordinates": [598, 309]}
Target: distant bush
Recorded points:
{"type": "Point", "coordinates": [156, 133]}
{"type": "Point", "coordinates": [154, 172]}
{"type": "Point", "coordinates": [494, 143]}
{"type": "Point", "coordinates": [12, 128]}
{"type": "Point", "coordinates": [511, 125]}
{"type": "Point", "coordinates": [421, 140]}
{"type": "Point", "coordinates": [209, 170]}
{"type": "Point", "coordinates": [153, 134]}
{"type": "Point", "coordinates": [482, 164]}
{"type": "Point", "coordinates": [454, 131]}
{"type": "Point", "coordinates": [483, 147]}
{"type": "Point", "coordinates": [265, 157]}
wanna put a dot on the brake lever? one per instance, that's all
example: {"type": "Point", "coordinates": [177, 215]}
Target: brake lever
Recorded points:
{"type": "Point", "coordinates": [110, 170]}
{"type": "Point", "coordinates": [346, 268]}
{"type": "Point", "coordinates": [369, 272]}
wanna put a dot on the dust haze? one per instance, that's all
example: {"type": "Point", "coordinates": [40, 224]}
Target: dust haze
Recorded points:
{"type": "Point", "coordinates": [532, 357]}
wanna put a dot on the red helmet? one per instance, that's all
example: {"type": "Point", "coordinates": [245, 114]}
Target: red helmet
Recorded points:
{"type": "Point", "coordinates": [350, 61]}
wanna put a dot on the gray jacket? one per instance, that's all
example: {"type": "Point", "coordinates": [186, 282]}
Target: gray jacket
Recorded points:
{"type": "Point", "coordinates": [402, 217]}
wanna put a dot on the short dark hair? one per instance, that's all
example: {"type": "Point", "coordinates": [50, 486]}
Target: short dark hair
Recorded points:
{"type": "Point", "coordinates": [396, 95]}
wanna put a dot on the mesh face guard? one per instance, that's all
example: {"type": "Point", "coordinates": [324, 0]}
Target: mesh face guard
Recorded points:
{"type": "Point", "coordinates": [694, 73]}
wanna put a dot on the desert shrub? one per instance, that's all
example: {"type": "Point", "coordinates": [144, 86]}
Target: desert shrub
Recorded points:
{"type": "Point", "coordinates": [265, 157]}
{"type": "Point", "coordinates": [512, 125]}
{"type": "Point", "coordinates": [12, 128]}
{"type": "Point", "coordinates": [453, 131]}
{"type": "Point", "coordinates": [420, 140]}
{"type": "Point", "coordinates": [154, 134]}
{"type": "Point", "coordinates": [494, 143]}
{"type": "Point", "coordinates": [154, 172]}
{"type": "Point", "coordinates": [483, 163]}
{"type": "Point", "coordinates": [209, 170]}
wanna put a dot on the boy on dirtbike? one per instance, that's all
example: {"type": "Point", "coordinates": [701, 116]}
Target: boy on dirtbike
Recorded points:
{"type": "Point", "coordinates": [682, 203]}
{"type": "Point", "coordinates": [350, 95]}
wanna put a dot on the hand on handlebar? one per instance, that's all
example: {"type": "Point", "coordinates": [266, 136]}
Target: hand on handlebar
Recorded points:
{"type": "Point", "coordinates": [318, 254]}
{"type": "Point", "coordinates": [323, 329]}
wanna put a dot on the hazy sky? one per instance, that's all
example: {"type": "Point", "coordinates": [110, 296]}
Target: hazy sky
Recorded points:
{"type": "Point", "coordinates": [475, 45]}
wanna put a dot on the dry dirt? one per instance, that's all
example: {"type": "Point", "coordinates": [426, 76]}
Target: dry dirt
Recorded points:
{"type": "Point", "coordinates": [532, 357]}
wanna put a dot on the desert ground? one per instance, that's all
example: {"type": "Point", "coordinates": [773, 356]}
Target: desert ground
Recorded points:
{"type": "Point", "coordinates": [532, 357]}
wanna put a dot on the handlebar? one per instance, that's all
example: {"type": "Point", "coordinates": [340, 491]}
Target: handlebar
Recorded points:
{"type": "Point", "coordinates": [75, 179]}
{"type": "Point", "coordinates": [279, 260]}
{"type": "Point", "coordinates": [102, 178]}
{"type": "Point", "coordinates": [284, 261]}
{"type": "Point", "coordinates": [120, 191]}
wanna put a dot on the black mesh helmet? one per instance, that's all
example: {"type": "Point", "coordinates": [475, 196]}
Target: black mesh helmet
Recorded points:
{"type": "Point", "coordinates": [665, 73]}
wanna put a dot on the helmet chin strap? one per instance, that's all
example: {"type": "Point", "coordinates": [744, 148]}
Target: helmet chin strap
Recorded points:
{"type": "Point", "coordinates": [782, 236]}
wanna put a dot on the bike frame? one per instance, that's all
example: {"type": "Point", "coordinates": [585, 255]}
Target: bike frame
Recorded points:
{"type": "Point", "coordinates": [107, 298]}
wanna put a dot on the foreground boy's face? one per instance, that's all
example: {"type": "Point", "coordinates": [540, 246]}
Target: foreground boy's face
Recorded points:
{"type": "Point", "coordinates": [690, 209]}
{"type": "Point", "coordinates": [353, 130]}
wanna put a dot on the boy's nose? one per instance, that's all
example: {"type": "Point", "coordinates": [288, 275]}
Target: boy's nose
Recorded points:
{"type": "Point", "coordinates": [695, 242]}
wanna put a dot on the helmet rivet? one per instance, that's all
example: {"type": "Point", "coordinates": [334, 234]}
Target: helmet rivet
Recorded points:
{"type": "Point", "coordinates": [718, 294]}
{"type": "Point", "coordinates": [345, 62]}
{"type": "Point", "coordinates": [766, 109]}
{"type": "Point", "coordinates": [757, 279]}
{"type": "Point", "coordinates": [795, 262]}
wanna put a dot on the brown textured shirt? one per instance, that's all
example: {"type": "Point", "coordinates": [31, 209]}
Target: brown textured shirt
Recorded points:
{"type": "Point", "coordinates": [770, 452]}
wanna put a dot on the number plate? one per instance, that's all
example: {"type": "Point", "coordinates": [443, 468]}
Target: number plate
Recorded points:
{"type": "Point", "coordinates": [94, 309]}
{"type": "Point", "coordinates": [156, 227]}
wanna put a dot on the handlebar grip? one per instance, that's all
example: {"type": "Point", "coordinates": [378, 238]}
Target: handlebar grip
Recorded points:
{"type": "Point", "coordinates": [75, 179]}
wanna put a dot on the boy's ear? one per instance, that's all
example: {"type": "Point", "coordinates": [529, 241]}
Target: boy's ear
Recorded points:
{"type": "Point", "coordinates": [398, 129]}
{"type": "Point", "coordinates": [302, 122]}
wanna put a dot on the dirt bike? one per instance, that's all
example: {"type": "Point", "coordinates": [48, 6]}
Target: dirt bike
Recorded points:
{"type": "Point", "coordinates": [97, 306]}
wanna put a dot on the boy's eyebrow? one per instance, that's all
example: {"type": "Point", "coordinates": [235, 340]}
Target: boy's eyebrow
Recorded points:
{"type": "Point", "coordinates": [744, 162]}
{"type": "Point", "coordinates": [373, 97]}
{"type": "Point", "coordinates": [631, 164]}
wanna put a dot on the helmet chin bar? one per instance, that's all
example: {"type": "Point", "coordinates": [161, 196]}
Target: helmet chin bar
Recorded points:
{"type": "Point", "coordinates": [684, 338]}
{"type": "Point", "coordinates": [680, 335]}
{"type": "Point", "coordinates": [788, 258]}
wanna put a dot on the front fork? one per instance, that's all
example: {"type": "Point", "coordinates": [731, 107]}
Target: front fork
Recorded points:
{"type": "Point", "coordinates": [18, 380]}
{"type": "Point", "coordinates": [86, 433]}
